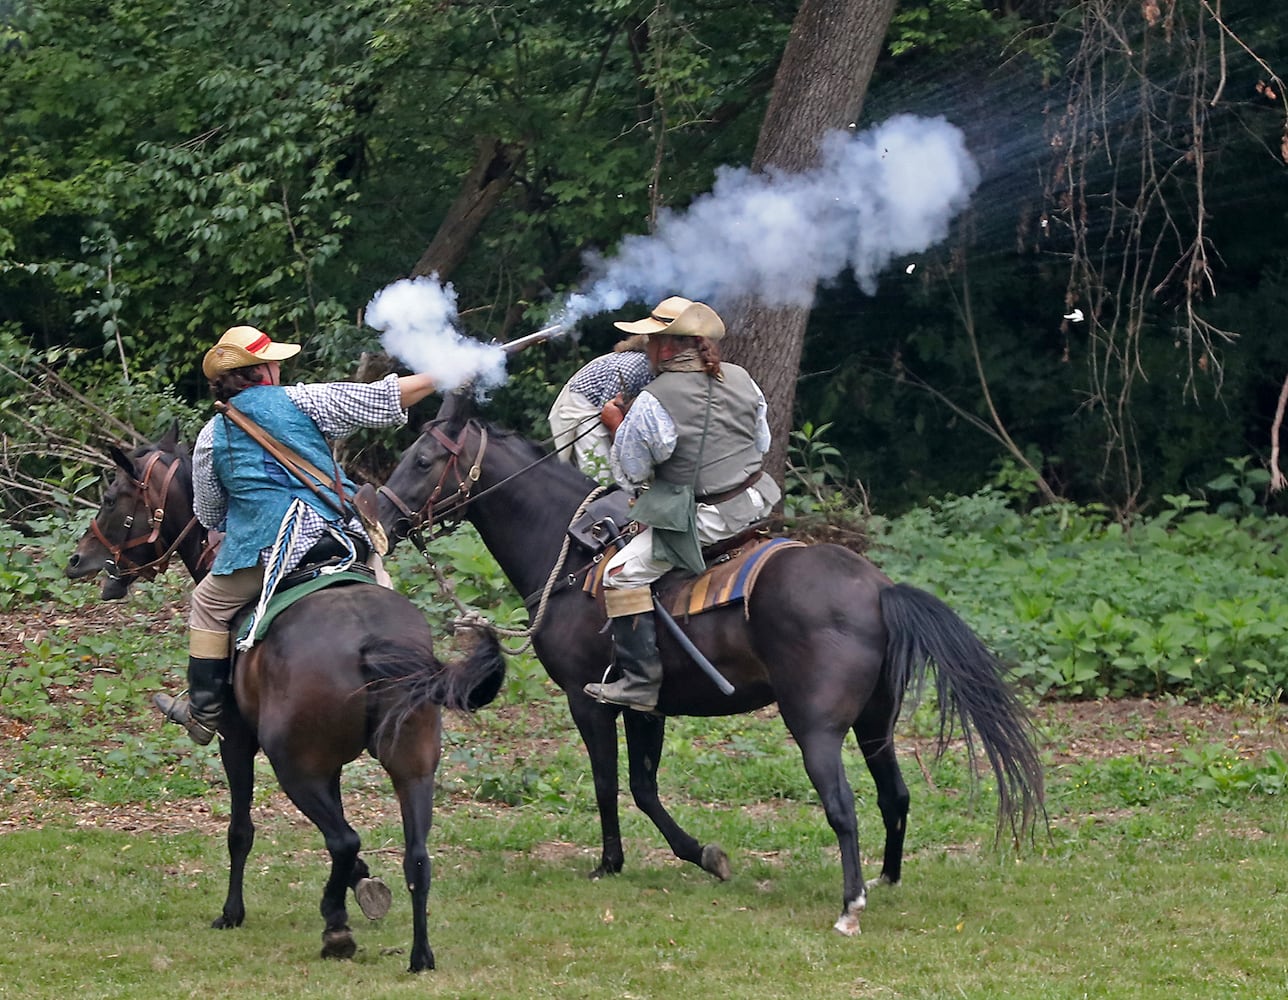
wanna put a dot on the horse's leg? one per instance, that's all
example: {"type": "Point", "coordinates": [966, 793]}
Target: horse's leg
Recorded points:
{"type": "Point", "coordinates": [416, 800]}
{"type": "Point", "coordinates": [598, 727]}
{"type": "Point", "coordinates": [644, 740]}
{"type": "Point", "coordinates": [875, 733]}
{"type": "Point", "coordinates": [318, 798]}
{"type": "Point", "coordinates": [821, 751]}
{"type": "Point", "coordinates": [237, 749]}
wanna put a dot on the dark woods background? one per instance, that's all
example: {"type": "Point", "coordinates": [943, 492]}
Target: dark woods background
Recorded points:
{"type": "Point", "coordinates": [168, 169]}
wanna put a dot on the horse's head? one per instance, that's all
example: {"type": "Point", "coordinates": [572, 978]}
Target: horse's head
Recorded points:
{"type": "Point", "coordinates": [436, 475]}
{"type": "Point", "coordinates": [143, 515]}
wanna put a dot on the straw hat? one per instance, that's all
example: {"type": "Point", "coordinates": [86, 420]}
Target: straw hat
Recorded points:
{"type": "Point", "coordinates": [661, 317]}
{"type": "Point", "coordinates": [698, 320]}
{"type": "Point", "coordinates": [241, 347]}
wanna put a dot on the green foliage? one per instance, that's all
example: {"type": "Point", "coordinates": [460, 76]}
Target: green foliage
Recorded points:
{"type": "Point", "coordinates": [1186, 602]}
{"type": "Point", "coordinates": [27, 574]}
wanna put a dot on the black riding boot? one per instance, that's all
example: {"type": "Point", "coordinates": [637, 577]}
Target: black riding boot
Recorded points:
{"type": "Point", "coordinates": [199, 712]}
{"type": "Point", "coordinates": [635, 651]}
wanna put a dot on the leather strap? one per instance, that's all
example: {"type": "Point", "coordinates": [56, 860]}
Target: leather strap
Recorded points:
{"type": "Point", "coordinates": [294, 463]}
{"type": "Point", "coordinates": [714, 498]}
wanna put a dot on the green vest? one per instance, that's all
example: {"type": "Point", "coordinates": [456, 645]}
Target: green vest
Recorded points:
{"type": "Point", "coordinates": [729, 455]}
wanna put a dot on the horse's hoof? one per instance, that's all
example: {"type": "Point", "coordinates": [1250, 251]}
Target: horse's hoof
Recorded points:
{"type": "Point", "coordinates": [373, 897]}
{"type": "Point", "coordinates": [848, 922]}
{"type": "Point", "coordinates": [880, 880]}
{"type": "Point", "coordinates": [338, 942]}
{"type": "Point", "coordinates": [421, 961]}
{"type": "Point", "coordinates": [716, 862]}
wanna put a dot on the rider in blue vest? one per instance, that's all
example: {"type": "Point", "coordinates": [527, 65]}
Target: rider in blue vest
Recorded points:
{"type": "Point", "coordinates": [270, 517]}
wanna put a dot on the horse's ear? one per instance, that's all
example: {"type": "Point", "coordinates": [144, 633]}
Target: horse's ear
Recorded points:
{"type": "Point", "coordinates": [170, 438]}
{"type": "Point", "coordinates": [124, 461]}
{"type": "Point", "coordinates": [457, 407]}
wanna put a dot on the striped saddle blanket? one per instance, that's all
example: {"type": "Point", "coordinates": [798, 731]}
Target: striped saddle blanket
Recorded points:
{"type": "Point", "coordinates": [729, 578]}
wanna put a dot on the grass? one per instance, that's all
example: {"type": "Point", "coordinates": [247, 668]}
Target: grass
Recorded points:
{"type": "Point", "coordinates": [1144, 888]}
{"type": "Point", "coordinates": [1163, 874]}
{"type": "Point", "coordinates": [1185, 900]}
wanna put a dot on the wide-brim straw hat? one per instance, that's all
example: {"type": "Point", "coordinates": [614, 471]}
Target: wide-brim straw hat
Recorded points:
{"type": "Point", "coordinates": [242, 347]}
{"type": "Point", "coordinates": [698, 320]}
{"type": "Point", "coordinates": [663, 314]}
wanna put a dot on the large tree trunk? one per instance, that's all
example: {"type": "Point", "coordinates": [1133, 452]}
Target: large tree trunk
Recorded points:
{"type": "Point", "coordinates": [491, 174]}
{"type": "Point", "coordinates": [820, 86]}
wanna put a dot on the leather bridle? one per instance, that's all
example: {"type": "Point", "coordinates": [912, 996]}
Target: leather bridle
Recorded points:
{"type": "Point", "coordinates": [437, 505]}
{"type": "Point", "coordinates": [152, 497]}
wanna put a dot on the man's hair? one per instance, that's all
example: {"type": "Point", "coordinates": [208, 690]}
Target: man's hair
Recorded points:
{"type": "Point", "coordinates": [708, 351]}
{"type": "Point", "coordinates": [228, 384]}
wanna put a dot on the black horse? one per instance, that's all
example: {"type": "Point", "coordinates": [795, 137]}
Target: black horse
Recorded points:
{"type": "Point", "coordinates": [826, 635]}
{"type": "Point", "coordinates": [344, 669]}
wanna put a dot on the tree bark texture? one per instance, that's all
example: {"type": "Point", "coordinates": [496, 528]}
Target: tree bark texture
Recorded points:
{"type": "Point", "coordinates": [482, 188]}
{"type": "Point", "coordinates": [820, 86]}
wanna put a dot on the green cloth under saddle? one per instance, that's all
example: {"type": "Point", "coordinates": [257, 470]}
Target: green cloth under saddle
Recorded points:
{"type": "Point", "coordinates": [283, 599]}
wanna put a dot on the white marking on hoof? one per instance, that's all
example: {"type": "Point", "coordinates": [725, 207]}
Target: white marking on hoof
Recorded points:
{"type": "Point", "coordinates": [872, 883]}
{"type": "Point", "coordinates": [848, 922]}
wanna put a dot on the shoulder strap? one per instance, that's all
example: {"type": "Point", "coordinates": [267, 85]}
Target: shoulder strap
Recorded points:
{"type": "Point", "coordinates": [299, 466]}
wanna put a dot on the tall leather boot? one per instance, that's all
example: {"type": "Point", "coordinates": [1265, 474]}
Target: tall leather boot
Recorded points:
{"type": "Point", "coordinates": [635, 651]}
{"type": "Point", "coordinates": [199, 712]}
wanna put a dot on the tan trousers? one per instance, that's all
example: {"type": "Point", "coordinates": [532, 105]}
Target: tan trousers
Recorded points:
{"type": "Point", "coordinates": [216, 599]}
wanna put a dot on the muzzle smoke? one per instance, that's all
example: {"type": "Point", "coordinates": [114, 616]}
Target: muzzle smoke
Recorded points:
{"type": "Point", "coordinates": [773, 236]}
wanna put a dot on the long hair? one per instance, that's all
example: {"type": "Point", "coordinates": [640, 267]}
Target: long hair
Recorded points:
{"type": "Point", "coordinates": [226, 385]}
{"type": "Point", "coordinates": [707, 352]}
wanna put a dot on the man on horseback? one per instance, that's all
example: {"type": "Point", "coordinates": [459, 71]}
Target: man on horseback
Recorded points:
{"type": "Point", "coordinates": [586, 413]}
{"type": "Point", "coordinates": [698, 433]}
{"type": "Point", "coordinates": [270, 517]}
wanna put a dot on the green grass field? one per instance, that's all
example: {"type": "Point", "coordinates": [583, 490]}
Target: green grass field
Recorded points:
{"type": "Point", "coordinates": [1147, 886]}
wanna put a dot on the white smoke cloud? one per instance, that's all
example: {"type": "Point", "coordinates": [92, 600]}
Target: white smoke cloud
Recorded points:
{"type": "Point", "coordinates": [417, 317]}
{"type": "Point", "coordinates": [772, 236]}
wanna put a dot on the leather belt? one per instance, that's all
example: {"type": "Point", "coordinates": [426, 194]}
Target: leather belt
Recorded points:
{"type": "Point", "coordinates": [714, 498]}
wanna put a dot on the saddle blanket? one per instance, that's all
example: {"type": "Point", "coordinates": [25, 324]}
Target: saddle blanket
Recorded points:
{"type": "Point", "coordinates": [284, 598]}
{"type": "Point", "coordinates": [731, 578]}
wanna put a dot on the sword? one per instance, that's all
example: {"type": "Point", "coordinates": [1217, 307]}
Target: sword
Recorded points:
{"type": "Point", "coordinates": [686, 643]}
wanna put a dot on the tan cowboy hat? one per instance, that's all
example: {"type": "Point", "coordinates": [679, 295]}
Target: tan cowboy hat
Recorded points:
{"type": "Point", "coordinates": [241, 347]}
{"type": "Point", "coordinates": [660, 318]}
{"type": "Point", "coordinates": [698, 320]}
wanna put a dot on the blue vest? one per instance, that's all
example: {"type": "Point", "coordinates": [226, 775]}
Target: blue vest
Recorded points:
{"type": "Point", "coordinates": [259, 489]}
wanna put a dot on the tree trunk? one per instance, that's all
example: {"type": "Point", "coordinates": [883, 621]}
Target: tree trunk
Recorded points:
{"type": "Point", "coordinates": [820, 86]}
{"type": "Point", "coordinates": [491, 174]}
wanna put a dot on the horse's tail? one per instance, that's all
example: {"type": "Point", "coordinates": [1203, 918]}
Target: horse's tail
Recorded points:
{"type": "Point", "coordinates": [972, 687]}
{"type": "Point", "coordinates": [412, 676]}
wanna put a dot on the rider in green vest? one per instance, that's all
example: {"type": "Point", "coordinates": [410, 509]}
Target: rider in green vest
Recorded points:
{"type": "Point", "coordinates": [697, 434]}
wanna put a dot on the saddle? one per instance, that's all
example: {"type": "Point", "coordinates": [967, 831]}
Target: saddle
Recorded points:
{"type": "Point", "coordinates": [307, 578]}
{"type": "Point", "coordinates": [733, 564]}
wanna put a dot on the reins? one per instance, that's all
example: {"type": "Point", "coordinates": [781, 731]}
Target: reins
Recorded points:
{"type": "Point", "coordinates": [117, 564]}
{"type": "Point", "coordinates": [435, 507]}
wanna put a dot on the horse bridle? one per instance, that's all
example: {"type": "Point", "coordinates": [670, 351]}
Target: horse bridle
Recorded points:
{"type": "Point", "coordinates": [118, 565]}
{"type": "Point", "coordinates": [436, 505]}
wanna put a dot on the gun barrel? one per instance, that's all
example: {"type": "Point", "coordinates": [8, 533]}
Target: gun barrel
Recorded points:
{"type": "Point", "coordinates": [510, 347]}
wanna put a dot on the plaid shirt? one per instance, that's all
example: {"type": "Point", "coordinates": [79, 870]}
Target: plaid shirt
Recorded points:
{"type": "Point", "coordinates": [338, 408]}
{"type": "Point", "coordinates": [602, 378]}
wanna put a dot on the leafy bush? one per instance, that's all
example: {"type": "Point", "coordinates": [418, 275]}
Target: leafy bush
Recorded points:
{"type": "Point", "coordinates": [1186, 601]}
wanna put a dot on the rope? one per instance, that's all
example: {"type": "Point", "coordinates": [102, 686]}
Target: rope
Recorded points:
{"type": "Point", "coordinates": [283, 545]}
{"type": "Point", "coordinates": [472, 618]}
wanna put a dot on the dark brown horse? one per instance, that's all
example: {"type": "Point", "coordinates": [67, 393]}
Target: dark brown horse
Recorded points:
{"type": "Point", "coordinates": [826, 635]}
{"type": "Point", "coordinates": [345, 669]}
